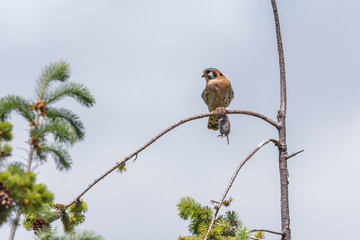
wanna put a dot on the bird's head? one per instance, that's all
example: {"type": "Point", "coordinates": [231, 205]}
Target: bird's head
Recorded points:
{"type": "Point", "coordinates": [211, 73]}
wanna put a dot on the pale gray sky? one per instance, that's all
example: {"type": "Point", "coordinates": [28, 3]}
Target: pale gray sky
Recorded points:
{"type": "Point", "coordinates": [143, 61]}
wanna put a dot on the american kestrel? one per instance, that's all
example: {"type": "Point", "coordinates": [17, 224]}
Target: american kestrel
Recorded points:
{"type": "Point", "coordinates": [217, 93]}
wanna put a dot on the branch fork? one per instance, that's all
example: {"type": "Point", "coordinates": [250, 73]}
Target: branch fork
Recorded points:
{"type": "Point", "coordinates": [221, 202]}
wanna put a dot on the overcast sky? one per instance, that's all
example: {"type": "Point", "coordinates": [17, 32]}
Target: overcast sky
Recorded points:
{"type": "Point", "coordinates": [143, 62]}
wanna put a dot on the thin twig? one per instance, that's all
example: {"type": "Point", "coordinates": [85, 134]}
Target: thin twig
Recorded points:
{"type": "Point", "coordinates": [232, 181]}
{"type": "Point", "coordinates": [244, 112]}
{"type": "Point", "coordinates": [294, 154]}
{"type": "Point", "coordinates": [265, 230]}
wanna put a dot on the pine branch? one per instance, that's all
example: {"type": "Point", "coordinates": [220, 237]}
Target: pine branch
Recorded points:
{"type": "Point", "coordinates": [15, 103]}
{"type": "Point", "coordinates": [6, 131]}
{"type": "Point", "coordinates": [217, 208]}
{"type": "Point", "coordinates": [135, 154]}
{"type": "Point", "coordinates": [187, 206]}
{"type": "Point", "coordinates": [64, 125]}
{"type": "Point", "coordinates": [74, 90]}
{"type": "Point", "coordinates": [190, 209]}
{"type": "Point", "coordinates": [58, 128]}
{"type": "Point", "coordinates": [68, 116]}
{"type": "Point", "coordinates": [58, 71]}
{"type": "Point", "coordinates": [60, 155]}
{"type": "Point", "coordinates": [243, 233]}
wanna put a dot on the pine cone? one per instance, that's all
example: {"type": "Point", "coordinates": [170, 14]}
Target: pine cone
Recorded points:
{"type": "Point", "coordinates": [39, 224]}
{"type": "Point", "coordinates": [5, 198]}
{"type": "Point", "coordinates": [4, 153]}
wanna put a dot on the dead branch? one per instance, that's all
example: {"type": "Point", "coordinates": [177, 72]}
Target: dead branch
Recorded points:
{"type": "Point", "coordinates": [244, 112]}
{"type": "Point", "coordinates": [217, 208]}
{"type": "Point", "coordinates": [254, 114]}
{"type": "Point", "coordinates": [294, 154]}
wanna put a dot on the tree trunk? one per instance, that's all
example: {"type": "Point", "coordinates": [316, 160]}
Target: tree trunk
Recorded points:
{"type": "Point", "coordinates": [284, 182]}
{"type": "Point", "coordinates": [283, 156]}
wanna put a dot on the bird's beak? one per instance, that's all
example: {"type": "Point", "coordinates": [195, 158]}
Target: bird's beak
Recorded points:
{"type": "Point", "coordinates": [203, 75]}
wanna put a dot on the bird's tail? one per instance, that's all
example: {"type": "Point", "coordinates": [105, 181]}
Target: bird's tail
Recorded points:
{"type": "Point", "coordinates": [213, 123]}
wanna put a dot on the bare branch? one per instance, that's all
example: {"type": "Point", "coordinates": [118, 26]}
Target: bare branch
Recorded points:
{"type": "Point", "coordinates": [217, 208]}
{"type": "Point", "coordinates": [137, 152]}
{"type": "Point", "coordinates": [294, 154]}
{"type": "Point", "coordinates": [265, 230]}
{"type": "Point", "coordinates": [281, 58]}
{"type": "Point", "coordinates": [254, 114]}
{"type": "Point", "coordinates": [214, 202]}
{"type": "Point", "coordinates": [244, 112]}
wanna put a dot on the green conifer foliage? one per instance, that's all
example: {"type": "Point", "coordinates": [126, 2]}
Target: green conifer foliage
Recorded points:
{"type": "Point", "coordinates": [28, 196]}
{"type": "Point", "coordinates": [52, 130]}
{"type": "Point", "coordinates": [5, 136]}
{"type": "Point", "coordinates": [47, 120]}
{"type": "Point", "coordinates": [51, 234]}
{"type": "Point", "coordinates": [226, 227]}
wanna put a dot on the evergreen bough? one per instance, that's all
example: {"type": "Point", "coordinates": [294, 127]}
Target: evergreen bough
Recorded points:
{"type": "Point", "coordinates": [52, 129]}
{"type": "Point", "coordinates": [227, 226]}
{"type": "Point", "coordinates": [45, 119]}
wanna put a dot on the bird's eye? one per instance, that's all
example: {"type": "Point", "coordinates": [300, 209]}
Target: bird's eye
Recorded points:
{"type": "Point", "coordinates": [221, 74]}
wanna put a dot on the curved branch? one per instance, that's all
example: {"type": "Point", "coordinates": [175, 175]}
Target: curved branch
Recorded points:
{"type": "Point", "coordinates": [138, 151]}
{"type": "Point", "coordinates": [160, 135]}
{"type": "Point", "coordinates": [254, 114]}
{"type": "Point", "coordinates": [233, 179]}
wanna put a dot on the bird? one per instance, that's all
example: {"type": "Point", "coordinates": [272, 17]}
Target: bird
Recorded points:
{"type": "Point", "coordinates": [217, 93]}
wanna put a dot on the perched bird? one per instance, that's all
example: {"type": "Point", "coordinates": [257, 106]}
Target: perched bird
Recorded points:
{"type": "Point", "coordinates": [217, 93]}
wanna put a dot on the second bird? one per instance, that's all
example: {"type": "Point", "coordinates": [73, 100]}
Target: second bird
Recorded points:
{"type": "Point", "coordinates": [217, 93]}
